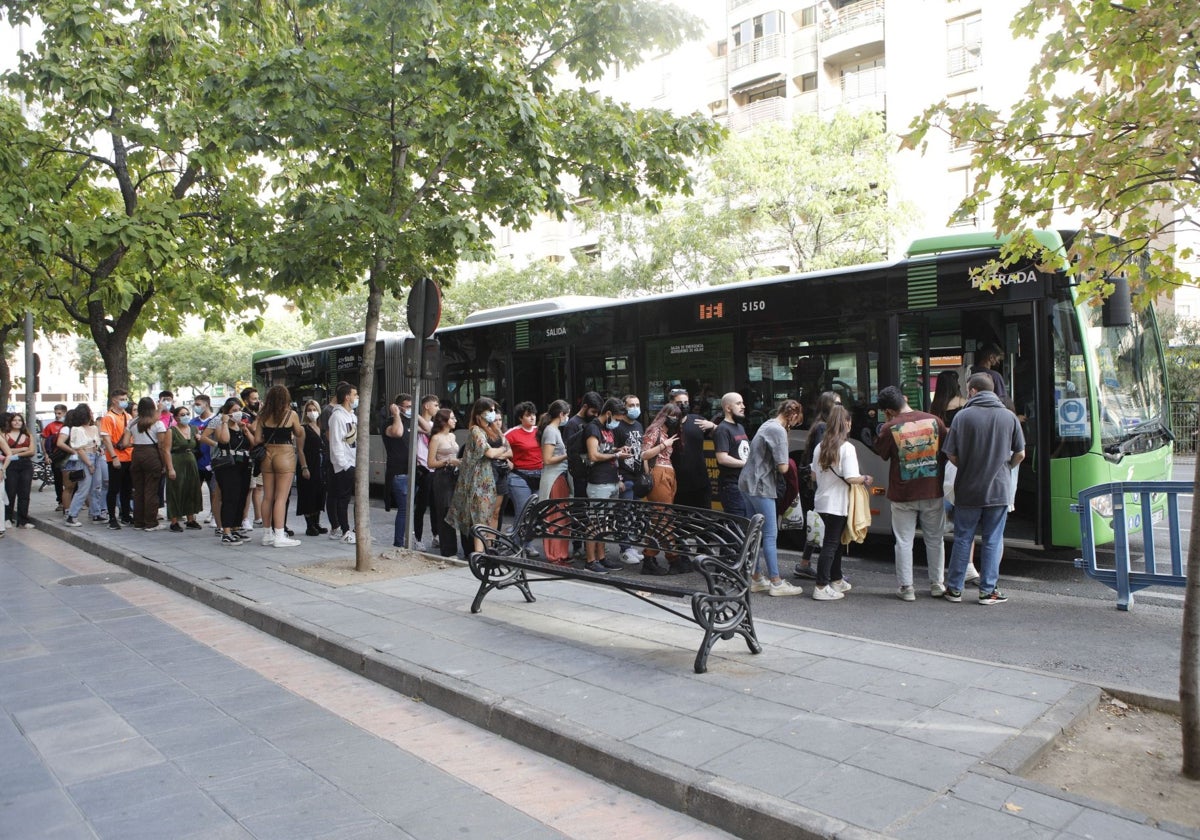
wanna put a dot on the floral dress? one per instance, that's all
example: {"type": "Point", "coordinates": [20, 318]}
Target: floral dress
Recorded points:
{"type": "Point", "coordinates": [475, 493]}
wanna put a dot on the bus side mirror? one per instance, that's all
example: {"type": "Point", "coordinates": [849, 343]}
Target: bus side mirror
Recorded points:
{"type": "Point", "coordinates": [1118, 307]}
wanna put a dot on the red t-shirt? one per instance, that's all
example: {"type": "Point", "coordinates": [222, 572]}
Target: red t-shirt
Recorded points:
{"type": "Point", "coordinates": [527, 452]}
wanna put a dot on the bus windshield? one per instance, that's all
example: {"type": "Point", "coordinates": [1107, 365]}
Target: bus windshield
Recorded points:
{"type": "Point", "coordinates": [1130, 379]}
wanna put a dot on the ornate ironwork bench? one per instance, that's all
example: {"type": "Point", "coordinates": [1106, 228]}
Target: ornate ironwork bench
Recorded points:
{"type": "Point", "coordinates": [721, 549]}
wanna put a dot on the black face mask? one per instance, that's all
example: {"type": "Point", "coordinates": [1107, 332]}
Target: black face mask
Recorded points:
{"type": "Point", "coordinates": [672, 424]}
{"type": "Point", "coordinates": [683, 407]}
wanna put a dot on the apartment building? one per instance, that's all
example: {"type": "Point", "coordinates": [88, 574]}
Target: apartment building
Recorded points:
{"type": "Point", "coordinates": [765, 61]}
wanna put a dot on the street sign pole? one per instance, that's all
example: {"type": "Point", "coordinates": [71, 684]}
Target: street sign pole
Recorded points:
{"type": "Point", "coordinates": [424, 314]}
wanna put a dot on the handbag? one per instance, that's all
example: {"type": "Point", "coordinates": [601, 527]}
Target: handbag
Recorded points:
{"type": "Point", "coordinates": [643, 482]}
{"type": "Point", "coordinates": [258, 452]}
{"type": "Point", "coordinates": [500, 471]}
{"type": "Point", "coordinates": [225, 459]}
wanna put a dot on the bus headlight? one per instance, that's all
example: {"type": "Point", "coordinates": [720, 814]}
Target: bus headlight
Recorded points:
{"type": "Point", "coordinates": [1103, 505]}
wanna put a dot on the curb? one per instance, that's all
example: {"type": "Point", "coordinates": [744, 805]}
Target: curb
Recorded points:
{"type": "Point", "coordinates": [719, 802]}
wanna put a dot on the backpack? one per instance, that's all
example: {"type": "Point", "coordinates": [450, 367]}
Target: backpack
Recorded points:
{"type": "Point", "coordinates": [576, 444]}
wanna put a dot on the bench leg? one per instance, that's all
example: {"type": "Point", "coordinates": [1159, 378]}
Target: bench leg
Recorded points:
{"type": "Point", "coordinates": [492, 579]}
{"type": "Point", "coordinates": [722, 617]}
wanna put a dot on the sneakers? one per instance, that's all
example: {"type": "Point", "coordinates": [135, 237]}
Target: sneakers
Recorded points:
{"type": "Point", "coordinates": [827, 593]}
{"type": "Point", "coordinates": [282, 540]}
{"type": "Point", "coordinates": [936, 590]}
{"type": "Point", "coordinates": [783, 589]}
{"type": "Point", "coordinates": [177, 528]}
{"type": "Point", "coordinates": [192, 525]}
{"type": "Point", "coordinates": [247, 527]}
{"type": "Point", "coordinates": [114, 525]}
{"type": "Point", "coordinates": [954, 595]}
{"type": "Point", "coordinates": [842, 586]}
{"type": "Point", "coordinates": [993, 597]}
{"type": "Point", "coordinates": [28, 526]}
{"type": "Point", "coordinates": [906, 593]}
{"type": "Point", "coordinates": [335, 534]}
{"type": "Point", "coordinates": [596, 567]}
{"type": "Point", "coordinates": [419, 545]}
{"type": "Point", "coordinates": [631, 557]}
{"type": "Point", "coordinates": [72, 522]}
{"type": "Point", "coordinates": [230, 540]}
{"type": "Point", "coordinates": [268, 537]}
{"type": "Point", "coordinates": [612, 565]}
{"type": "Point", "coordinates": [972, 574]}
{"type": "Point", "coordinates": [435, 542]}
{"type": "Point", "coordinates": [762, 584]}
{"type": "Point", "coordinates": [348, 538]}
{"type": "Point", "coordinates": [257, 524]}
{"type": "Point", "coordinates": [98, 518]}
{"type": "Point", "coordinates": [805, 571]}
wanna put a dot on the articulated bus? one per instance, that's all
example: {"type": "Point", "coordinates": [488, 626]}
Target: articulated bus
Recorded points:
{"type": "Point", "coordinates": [1091, 391]}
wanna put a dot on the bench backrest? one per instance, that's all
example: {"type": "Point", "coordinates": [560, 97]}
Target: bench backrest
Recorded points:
{"type": "Point", "coordinates": [687, 531]}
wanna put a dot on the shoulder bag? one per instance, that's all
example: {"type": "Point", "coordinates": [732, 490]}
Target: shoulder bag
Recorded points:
{"type": "Point", "coordinates": [643, 481]}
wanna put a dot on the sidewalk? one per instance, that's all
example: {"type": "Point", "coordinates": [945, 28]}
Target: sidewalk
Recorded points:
{"type": "Point", "coordinates": [819, 736]}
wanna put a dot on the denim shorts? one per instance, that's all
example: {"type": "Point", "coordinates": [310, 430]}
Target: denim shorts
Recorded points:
{"type": "Point", "coordinates": [603, 491]}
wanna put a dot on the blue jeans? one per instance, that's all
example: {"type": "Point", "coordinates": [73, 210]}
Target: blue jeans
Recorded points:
{"type": "Point", "coordinates": [520, 492]}
{"type": "Point", "coordinates": [400, 497]}
{"type": "Point", "coordinates": [99, 500]}
{"type": "Point", "coordinates": [765, 506]}
{"type": "Point", "coordinates": [991, 521]}
{"type": "Point", "coordinates": [83, 490]}
{"type": "Point", "coordinates": [733, 500]}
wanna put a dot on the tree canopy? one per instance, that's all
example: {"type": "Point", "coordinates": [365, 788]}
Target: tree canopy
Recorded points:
{"type": "Point", "coordinates": [1106, 134]}
{"type": "Point", "coordinates": [127, 175]}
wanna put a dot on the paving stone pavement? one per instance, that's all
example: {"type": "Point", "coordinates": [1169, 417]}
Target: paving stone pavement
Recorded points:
{"type": "Point", "coordinates": [822, 735]}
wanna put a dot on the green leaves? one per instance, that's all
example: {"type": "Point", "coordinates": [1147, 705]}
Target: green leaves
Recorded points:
{"type": "Point", "coordinates": [1106, 134]}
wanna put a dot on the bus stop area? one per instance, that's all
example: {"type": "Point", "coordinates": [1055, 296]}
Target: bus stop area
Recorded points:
{"type": "Point", "coordinates": [822, 735]}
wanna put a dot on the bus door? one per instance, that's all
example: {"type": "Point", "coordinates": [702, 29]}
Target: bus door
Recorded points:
{"type": "Point", "coordinates": [539, 377]}
{"type": "Point", "coordinates": [606, 370]}
{"type": "Point", "coordinates": [936, 341]}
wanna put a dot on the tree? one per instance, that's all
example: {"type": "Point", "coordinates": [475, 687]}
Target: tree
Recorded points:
{"type": "Point", "coordinates": [807, 196]}
{"type": "Point", "coordinates": [1107, 133]}
{"type": "Point", "coordinates": [120, 191]}
{"type": "Point", "coordinates": [402, 129]}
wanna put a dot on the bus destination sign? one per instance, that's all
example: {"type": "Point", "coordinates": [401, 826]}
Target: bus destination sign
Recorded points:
{"type": "Point", "coordinates": [708, 311]}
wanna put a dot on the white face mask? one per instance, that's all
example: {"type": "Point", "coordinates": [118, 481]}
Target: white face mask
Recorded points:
{"type": "Point", "coordinates": [236, 416]}
{"type": "Point", "coordinates": [354, 405]}
{"type": "Point", "coordinates": [313, 415]}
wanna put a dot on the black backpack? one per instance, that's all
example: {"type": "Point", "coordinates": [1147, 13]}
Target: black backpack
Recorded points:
{"type": "Point", "coordinates": [576, 444]}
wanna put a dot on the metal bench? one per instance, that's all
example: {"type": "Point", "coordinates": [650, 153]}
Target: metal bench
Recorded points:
{"type": "Point", "coordinates": [1121, 577]}
{"type": "Point", "coordinates": [720, 548]}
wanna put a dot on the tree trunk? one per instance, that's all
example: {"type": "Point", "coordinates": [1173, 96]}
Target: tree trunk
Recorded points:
{"type": "Point", "coordinates": [1189, 652]}
{"type": "Point", "coordinates": [5, 371]}
{"type": "Point", "coordinates": [362, 457]}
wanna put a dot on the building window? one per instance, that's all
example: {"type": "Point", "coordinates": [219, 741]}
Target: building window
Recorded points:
{"type": "Point", "coordinates": [759, 26]}
{"type": "Point", "coordinates": [808, 16]}
{"type": "Point", "coordinates": [773, 92]}
{"type": "Point", "coordinates": [808, 82]}
{"type": "Point", "coordinates": [722, 48]}
{"type": "Point", "coordinates": [964, 38]}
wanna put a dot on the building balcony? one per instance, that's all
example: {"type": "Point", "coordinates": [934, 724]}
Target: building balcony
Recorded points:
{"type": "Point", "coordinates": [773, 110]}
{"type": "Point", "coordinates": [758, 59]}
{"type": "Point", "coordinates": [856, 28]}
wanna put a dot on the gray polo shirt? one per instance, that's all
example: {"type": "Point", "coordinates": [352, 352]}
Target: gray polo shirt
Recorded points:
{"type": "Point", "coordinates": [984, 436]}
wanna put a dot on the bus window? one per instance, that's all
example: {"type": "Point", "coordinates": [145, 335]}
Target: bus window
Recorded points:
{"type": "Point", "coordinates": [701, 363]}
{"type": "Point", "coordinates": [609, 375]}
{"type": "Point", "coordinates": [787, 366]}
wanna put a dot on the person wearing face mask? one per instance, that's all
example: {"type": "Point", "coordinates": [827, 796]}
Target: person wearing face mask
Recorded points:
{"type": "Point", "coordinates": [252, 407]}
{"type": "Point", "coordinates": [183, 478]}
{"type": "Point", "coordinates": [201, 414]}
{"type": "Point", "coordinates": [628, 435]}
{"type": "Point", "coordinates": [693, 487]}
{"type": "Point", "coordinates": [733, 448]}
{"type": "Point", "coordinates": [18, 472]}
{"type": "Point", "coordinates": [475, 499]}
{"type": "Point", "coordinates": [231, 439]}
{"type": "Point", "coordinates": [397, 432]}
{"type": "Point", "coordinates": [343, 441]}
{"type": "Point", "coordinates": [526, 459]}
{"type": "Point", "coordinates": [310, 484]}
{"type": "Point", "coordinates": [603, 476]}
{"type": "Point", "coordinates": [423, 498]}
{"type": "Point", "coordinates": [657, 445]}
{"type": "Point", "coordinates": [151, 454]}
{"type": "Point", "coordinates": [114, 442]}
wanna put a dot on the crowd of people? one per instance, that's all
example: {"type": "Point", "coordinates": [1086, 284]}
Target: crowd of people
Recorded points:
{"type": "Point", "coordinates": [959, 460]}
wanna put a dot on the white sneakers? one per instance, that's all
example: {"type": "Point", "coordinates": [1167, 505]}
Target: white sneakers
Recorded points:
{"type": "Point", "coordinates": [282, 540]}
{"type": "Point", "coordinates": [972, 573]}
{"type": "Point", "coordinates": [906, 593]}
{"type": "Point", "coordinates": [783, 589]}
{"type": "Point", "coordinates": [827, 593]}
{"type": "Point", "coordinates": [268, 537]}
{"type": "Point", "coordinates": [936, 590]}
{"type": "Point", "coordinates": [348, 538]}
{"type": "Point", "coordinates": [842, 586]}
{"type": "Point", "coordinates": [335, 533]}
{"type": "Point", "coordinates": [631, 557]}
